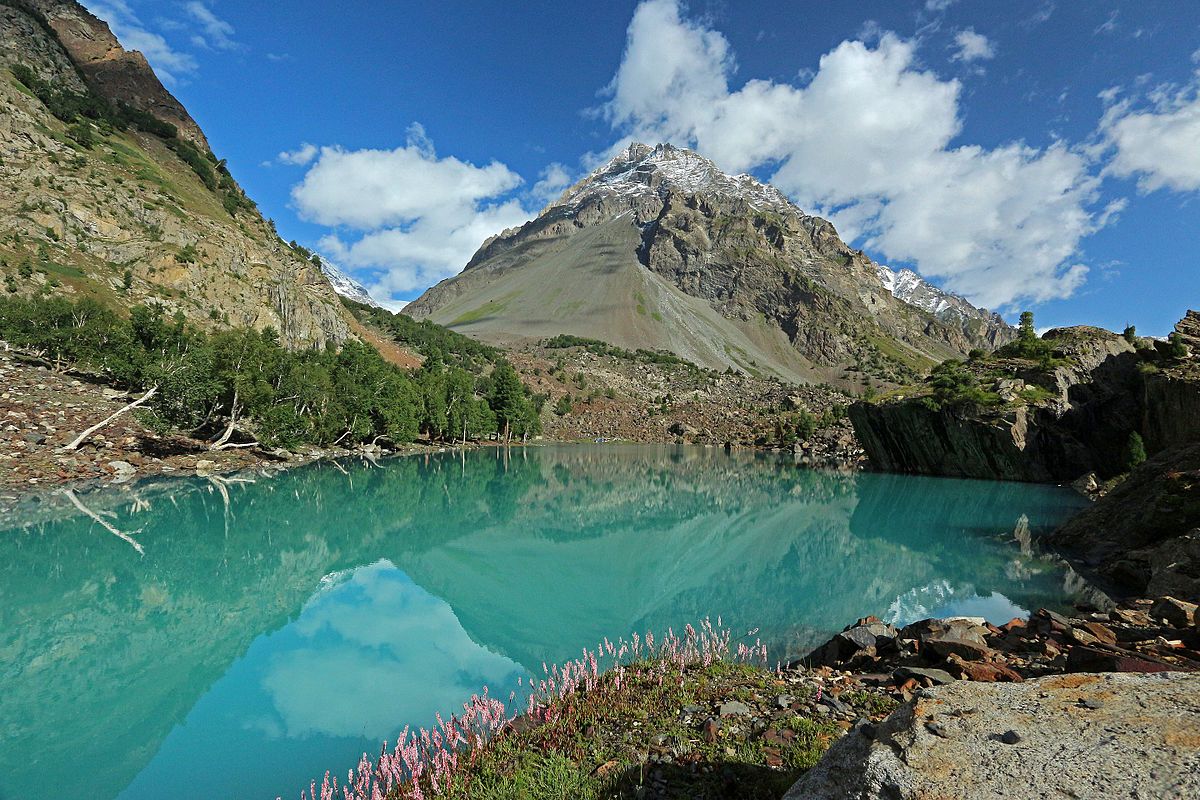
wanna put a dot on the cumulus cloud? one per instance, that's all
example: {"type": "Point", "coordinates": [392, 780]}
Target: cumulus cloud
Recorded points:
{"type": "Point", "coordinates": [1157, 141]}
{"type": "Point", "coordinates": [301, 156]}
{"type": "Point", "coordinates": [170, 64]}
{"type": "Point", "coordinates": [408, 212]}
{"type": "Point", "coordinates": [551, 182]}
{"type": "Point", "coordinates": [217, 32]}
{"type": "Point", "coordinates": [867, 142]}
{"type": "Point", "coordinates": [972, 46]}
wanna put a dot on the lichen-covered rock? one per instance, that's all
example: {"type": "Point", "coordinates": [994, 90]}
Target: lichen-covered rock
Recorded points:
{"type": "Point", "coordinates": [1084, 736]}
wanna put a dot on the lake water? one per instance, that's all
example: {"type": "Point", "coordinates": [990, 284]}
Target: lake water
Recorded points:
{"type": "Point", "coordinates": [275, 629]}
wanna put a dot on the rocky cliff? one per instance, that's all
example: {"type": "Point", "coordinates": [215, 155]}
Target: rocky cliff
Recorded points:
{"type": "Point", "coordinates": [1069, 412]}
{"type": "Point", "coordinates": [1143, 538]}
{"type": "Point", "coordinates": [108, 190]}
{"type": "Point", "coordinates": [659, 249]}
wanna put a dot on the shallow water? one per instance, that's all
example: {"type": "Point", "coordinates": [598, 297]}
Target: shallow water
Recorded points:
{"type": "Point", "coordinates": [275, 629]}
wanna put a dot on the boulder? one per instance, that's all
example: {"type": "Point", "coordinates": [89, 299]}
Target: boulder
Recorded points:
{"type": "Point", "coordinates": [1135, 736]}
{"type": "Point", "coordinates": [938, 638]}
{"type": "Point", "coordinates": [863, 639]}
{"type": "Point", "coordinates": [1178, 613]}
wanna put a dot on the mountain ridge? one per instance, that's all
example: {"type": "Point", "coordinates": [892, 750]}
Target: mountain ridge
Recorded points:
{"type": "Point", "coordinates": [108, 190]}
{"type": "Point", "coordinates": [659, 248]}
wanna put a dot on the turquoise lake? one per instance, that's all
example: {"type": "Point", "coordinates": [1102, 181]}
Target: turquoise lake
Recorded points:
{"type": "Point", "coordinates": [275, 629]}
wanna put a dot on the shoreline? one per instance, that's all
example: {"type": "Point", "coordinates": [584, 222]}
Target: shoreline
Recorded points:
{"type": "Point", "coordinates": [718, 722]}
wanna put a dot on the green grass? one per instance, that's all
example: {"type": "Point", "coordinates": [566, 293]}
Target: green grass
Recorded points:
{"type": "Point", "coordinates": [488, 309]}
{"type": "Point", "coordinates": [597, 743]}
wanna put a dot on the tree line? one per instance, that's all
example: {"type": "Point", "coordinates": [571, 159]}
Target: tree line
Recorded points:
{"type": "Point", "coordinates": [241, 385]}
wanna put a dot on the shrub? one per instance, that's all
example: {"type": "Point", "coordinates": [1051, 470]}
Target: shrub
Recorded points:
{"type": "Point", "coordinates": [1135, 450]}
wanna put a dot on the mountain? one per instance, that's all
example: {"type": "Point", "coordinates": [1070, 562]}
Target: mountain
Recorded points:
{"type": "Point", "coordinates": [346, 286]}
{"type": "Point", "coordinates": [660, 249]}
{"type": "Point", "coordinates": [108, 190]}
{"type": "Point", "coordinates": [911, 288]}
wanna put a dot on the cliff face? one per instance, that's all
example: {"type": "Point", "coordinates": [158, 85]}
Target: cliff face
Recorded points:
{"type": "Point", "coordinates": [1143, 538]}
{"type": "Point", "coordinates": [92, 208]}
{"type": "Point", "coordinates": [1034, 422]}
{"type": "Point", "coordinates": [115, 73]}
{"type": "Point", "coordinates": [659, 249]}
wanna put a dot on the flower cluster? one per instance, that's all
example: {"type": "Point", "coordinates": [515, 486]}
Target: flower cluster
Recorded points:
{"type": "Point", "coordinates": [431, 762]}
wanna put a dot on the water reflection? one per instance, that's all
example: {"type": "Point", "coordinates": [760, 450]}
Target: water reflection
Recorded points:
{"type": "Point", "coordinates": [273, 629]}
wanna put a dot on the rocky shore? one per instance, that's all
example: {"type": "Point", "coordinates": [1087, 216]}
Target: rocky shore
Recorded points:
{"type": "Point", "coordinates": [44, 407]}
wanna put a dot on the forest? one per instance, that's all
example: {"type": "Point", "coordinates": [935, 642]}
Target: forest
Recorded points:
{"type": "Point", "coordinates": [241, 386]}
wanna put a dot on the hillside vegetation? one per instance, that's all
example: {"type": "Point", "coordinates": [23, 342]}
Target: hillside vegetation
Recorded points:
{"type": "Point", "coordinates": [242, 385]}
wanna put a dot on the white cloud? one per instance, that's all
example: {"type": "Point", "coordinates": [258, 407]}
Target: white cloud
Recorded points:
{"type": "Point", "coordinates": [1158, 143]}
{"type": "Point", "coordinates": [551, 183]}
{"type": "Point", "coordinates": [302, 155]}
{"type": "Point", "coordinates": [972, 46]}
{"type": "Point", "coordinates": [938, 5]}
{"type": "Point", "coordinates": [867, 142]}
{"type": "Point", "coordinates": [170, 64]}
{"type": "Point", "coordinates": [217, 32]}
{"type": "Point", "coordinates": [416, 216]}
{"type": "Point", "coordinates": [1109, 25]}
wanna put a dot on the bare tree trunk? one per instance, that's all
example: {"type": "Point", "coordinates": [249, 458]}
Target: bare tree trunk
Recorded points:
{"type": "Point", "coordinates": [81, 438]}
{"type": "Point", "coordinates": [233, 412]}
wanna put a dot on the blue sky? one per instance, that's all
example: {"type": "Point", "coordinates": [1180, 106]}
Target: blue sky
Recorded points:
{"type": "Point", "coordinates": [1027, 154]}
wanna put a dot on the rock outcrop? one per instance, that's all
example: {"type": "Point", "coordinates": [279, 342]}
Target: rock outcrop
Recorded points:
{"type": "Point", "coordinates": [659, 249]}
{"type": "Point", "coordinates": [89, 208]}
{"type": "Point", "coordinates": [1026, 421]}
{"type": "Point", "coordinates": [117, 74]}
{"type": "Point", "coordinates": [1085, 736]}
{"type": "Point", "coordinates": [1143, 537]}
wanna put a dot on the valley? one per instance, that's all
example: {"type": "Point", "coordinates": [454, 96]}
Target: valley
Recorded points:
{"type": "Point", "coordinates": [687, 466]}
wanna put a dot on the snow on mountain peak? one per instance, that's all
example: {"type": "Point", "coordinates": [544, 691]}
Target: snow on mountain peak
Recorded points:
{"type": "Point", "coordinates": [642, 170]}
{"type": "Point", "coordinates": [346, 286]}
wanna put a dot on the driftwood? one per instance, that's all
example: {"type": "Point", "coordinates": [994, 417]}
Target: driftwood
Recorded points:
{"type": "Point", "coordinates": [81, 438]}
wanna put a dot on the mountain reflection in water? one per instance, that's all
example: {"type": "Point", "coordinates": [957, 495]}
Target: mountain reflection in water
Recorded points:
{"type": "Point", "coordinates": [277, 628]}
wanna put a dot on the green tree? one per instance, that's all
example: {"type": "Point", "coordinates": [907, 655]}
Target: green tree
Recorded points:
{"type": "Point", "coordinates": [508, 400]}
{"type": "Point", "coordinates": [1025, 330]}
{"type": "Point", "coordinates": [564, 405]}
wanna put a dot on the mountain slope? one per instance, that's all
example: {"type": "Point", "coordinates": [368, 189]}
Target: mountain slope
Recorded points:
{"type": "Point", "coordinates": [952, 309]}
{"type": "Point", "coordinates": [661, 250]}
{"type": "Point", "coordinates": [108, 190]}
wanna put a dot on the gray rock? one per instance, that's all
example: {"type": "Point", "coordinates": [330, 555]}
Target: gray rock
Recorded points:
{"type": "Point", "coordinates": [1143, 742]}
{"type": "Point", "coordinates": [733, 708]}
{"type": "Point", "coordinates": [938, 676]}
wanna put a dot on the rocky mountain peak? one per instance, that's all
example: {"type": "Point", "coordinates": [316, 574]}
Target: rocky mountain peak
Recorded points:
{"type": "Point", "coordinates": [117, 74]}
{"type": "Point", "coordinates": [644, 171]}
{"type": "Point", "coordinates": [909, 287]}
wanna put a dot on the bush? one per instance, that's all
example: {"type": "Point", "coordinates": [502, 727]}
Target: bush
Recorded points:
{"type": "Point", "coordinates": [1135, 450]}
{"type": "Point", "coordinates": [1027, 344]}
{"type": "Point", "coordinates": [564, 405]}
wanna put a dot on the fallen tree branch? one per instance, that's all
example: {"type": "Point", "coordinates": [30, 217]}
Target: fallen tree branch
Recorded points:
{"type": "Point", "coordinates": [70, 495]}
{"type": "Point", "coordinates": [84, 436]}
